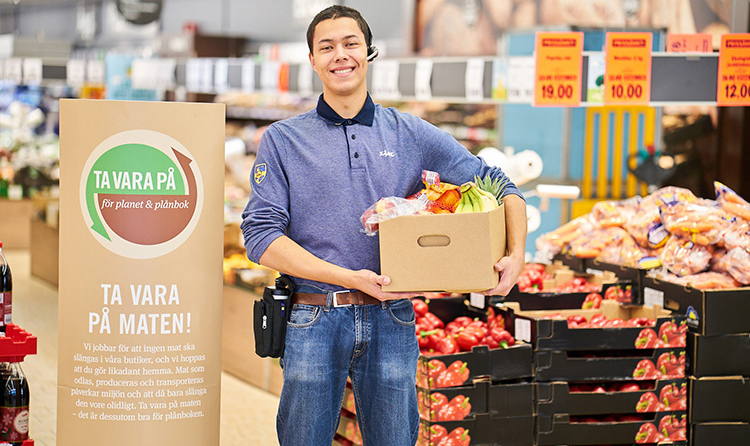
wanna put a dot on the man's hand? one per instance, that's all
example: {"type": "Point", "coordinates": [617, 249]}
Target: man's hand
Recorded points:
{"type": "Point", "coordinates": [510, 268]}
{"type": "Point", "coordinates": [372, 283]}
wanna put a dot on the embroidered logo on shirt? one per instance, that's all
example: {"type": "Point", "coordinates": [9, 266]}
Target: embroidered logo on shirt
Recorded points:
{"type": "Point", "coordinates": [260, 172]}
{"type": "Point", "coordinates": [387, 154]}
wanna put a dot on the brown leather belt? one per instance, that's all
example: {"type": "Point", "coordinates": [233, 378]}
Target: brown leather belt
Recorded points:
{"type": "Point", "coordinates": [340, 298]}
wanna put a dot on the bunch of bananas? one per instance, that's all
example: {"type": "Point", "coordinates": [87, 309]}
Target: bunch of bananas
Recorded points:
{"type": "Point", "coordinates": [475, 199]}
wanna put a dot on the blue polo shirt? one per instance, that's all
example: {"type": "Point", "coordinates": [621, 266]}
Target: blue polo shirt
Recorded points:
{"type": "Point", "coordinates": [316, 173]}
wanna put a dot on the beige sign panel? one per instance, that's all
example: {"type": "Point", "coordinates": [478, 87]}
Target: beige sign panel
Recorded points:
{"type": "Point", "coordinates": [140, 273]}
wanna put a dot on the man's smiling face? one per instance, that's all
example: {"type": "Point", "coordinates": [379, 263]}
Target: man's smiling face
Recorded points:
{"type": "Point", "coordinates": [340, 57]}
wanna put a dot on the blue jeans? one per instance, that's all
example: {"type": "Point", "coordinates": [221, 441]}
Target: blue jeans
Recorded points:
{"type": "Point", "coordinates": [375, 345]}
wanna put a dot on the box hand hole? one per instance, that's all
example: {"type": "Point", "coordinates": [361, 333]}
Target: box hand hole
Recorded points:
{"type": "Point", "coordinates": [429, 241]}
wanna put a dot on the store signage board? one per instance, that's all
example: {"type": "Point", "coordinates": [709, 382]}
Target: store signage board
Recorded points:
{"type": "Point", "coordinates": [627, 79]}
{"type": "Point", "coordinates": [423, 80]}
{"type": "Point", "coordinates": [734, 70]}
{"type": "Point", "coordinates": [689, 43]}
{"type": "Point", "coordinates": [474, 80]}
{"type": "Point", "coordinates": [559, 68]}
{"type": "Point", "coordinates": [140, 273]}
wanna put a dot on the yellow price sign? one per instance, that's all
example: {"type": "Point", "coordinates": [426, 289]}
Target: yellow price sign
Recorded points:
{"type": "Point", "coordinates": [627, 78]}
{"type": "Point", "coordinates": [734, 70]}
{"type": "Point", "coordinates": [559, 58]}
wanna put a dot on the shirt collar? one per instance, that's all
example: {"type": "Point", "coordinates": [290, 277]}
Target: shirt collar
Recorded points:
{"type": "Point", "coordinates": [365, 116]}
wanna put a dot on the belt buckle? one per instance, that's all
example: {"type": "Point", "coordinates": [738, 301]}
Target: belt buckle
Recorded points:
{"type": "Point", "coordinates": [335, 299]}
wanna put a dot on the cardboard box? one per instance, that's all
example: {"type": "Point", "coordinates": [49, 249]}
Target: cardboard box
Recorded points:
{"type": "Point", "coordinates": [583, 399]}
{"type": "Point", "coordinates": [582, 366]}
{"type": "Point", "coordinates": [484, 430]}
{"type": "Point", "coordinates": [709, 312]}
{"type": "Point", "coordinates": [719, 399]}
{"type": "Point", "coordinates": [564, 429]}
{"type": "Point", "coordinates": [712, 434]}
{"type": "Point", "coordinates": [511, 399]}
{"type": "Point", "coordinates": [554, 334]}
{"type": "Point", "coordinates": [720, 355]}
{"type": "Point", "coordinates": [575, 263]}
{"type": "Point", "coordinates": [442, 252]}
{"type": "Point", "coordinates": [481, 362]}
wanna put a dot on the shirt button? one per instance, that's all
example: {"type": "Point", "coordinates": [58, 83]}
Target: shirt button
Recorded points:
{"type": "Point", "coordinates": [349, 122]}
{"type": "Point", "coordinates": [354, 136]}
{"type": "Point", "coordinates": [356, 154]}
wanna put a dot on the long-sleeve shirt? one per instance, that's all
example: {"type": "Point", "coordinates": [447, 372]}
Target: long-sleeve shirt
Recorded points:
{"type": "Point", "coordinates": [316, 173]}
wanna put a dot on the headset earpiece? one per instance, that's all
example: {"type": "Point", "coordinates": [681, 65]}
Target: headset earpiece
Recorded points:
{"type": "Point", "coordinates": [372, 53]}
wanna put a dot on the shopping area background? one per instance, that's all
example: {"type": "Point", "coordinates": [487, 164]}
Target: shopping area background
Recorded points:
{"type": "Point", "coordinates": [197, 51]}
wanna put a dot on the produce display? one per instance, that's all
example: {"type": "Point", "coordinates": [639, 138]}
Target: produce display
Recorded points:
{"type": "Point", "coordinates": [700, 242]}
{"type": "Point", "coordinates": [459, 335]}
{"type": "Point", "coordinates": [437, 197]}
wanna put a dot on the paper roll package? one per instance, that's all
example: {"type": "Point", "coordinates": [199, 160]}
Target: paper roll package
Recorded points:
{"type": "Point", "coordinates": [520, 167]}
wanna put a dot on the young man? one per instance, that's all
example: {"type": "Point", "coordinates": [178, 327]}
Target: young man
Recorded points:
{"type": "Point", "coordinates": [315, 174]}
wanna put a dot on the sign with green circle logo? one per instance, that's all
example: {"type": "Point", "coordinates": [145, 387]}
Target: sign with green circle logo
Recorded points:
{"type": "Point", "coordinates": [141, 194]}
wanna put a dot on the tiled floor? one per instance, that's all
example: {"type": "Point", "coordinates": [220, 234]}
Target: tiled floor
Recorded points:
{"type": "Point", "coordinates": [248, 414]}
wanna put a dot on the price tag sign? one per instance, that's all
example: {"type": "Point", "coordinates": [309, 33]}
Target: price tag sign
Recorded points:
{"type": "Point", "coordinates": [627, 78]}
{"type": "Point", "coordinates": [248, 76]}
{"type": "Point", "coordinates": [221, 75]}
{"type": "Point", "coordinates": [559, 59]}
{"type": "Point", "coordinates": [385, 80]}
{"type": "Point", "coordinates": [75, 72]}
{"type": "Point", "coordinates": [32, 71]}
{"type": "Point", "coordinates": [95, 72]}
{"type": "Point", "coordinates": [423, 79]}
{"type": "Point", "coordinates": [14, 70]}
{"type": "Point", "coordinates": [305, 77]}
{"type": "Point", "coordinates": [474, 80]}
{"type": "Point", "coordinates": [734, 70]}
{"type": "Point", "coordinates": [521, 79]}
{"type": "Point", "coordinates": [689, 43]}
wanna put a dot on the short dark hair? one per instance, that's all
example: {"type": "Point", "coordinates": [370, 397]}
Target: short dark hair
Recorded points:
{"type": "Point", "coordinates": [335, 12]}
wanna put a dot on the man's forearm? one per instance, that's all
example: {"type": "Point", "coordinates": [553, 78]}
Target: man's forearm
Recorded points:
{"type": "Point", "coordinates": [515, 225]}
{"type": "Point", "coordinates": [286, 256]}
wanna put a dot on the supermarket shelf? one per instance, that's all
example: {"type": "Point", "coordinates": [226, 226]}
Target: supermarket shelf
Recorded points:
{"type": "Point", "coordinates": [676, 79]}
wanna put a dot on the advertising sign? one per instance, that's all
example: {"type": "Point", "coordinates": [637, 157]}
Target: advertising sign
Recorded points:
{"type": "Point", "coordinates": [140, 288]}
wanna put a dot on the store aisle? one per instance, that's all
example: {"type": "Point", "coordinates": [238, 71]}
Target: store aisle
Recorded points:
{"type": "Point", "coordinates": [248, 414]}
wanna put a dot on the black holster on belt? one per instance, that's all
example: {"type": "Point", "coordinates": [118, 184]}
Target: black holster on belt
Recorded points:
{"type": "Point", "coordinates": [270, 315]}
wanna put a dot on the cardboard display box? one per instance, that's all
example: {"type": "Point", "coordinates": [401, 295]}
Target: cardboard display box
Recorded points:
{"type": "Point", "coordinates": [575, 263]}
{"type": "Point", "coordinates": [625, 273]}
{"type": "Point", "coordinates": [349, 429]}
{"type": "Point", "coordinates": [582, 366]}
{"type": "Point", "coordinates": [721, 355]}
{"type": "Point", "coordinates": [453, 403]}
{"type": "Point", "coordinates": [481, 362]}
{"type": "Point", "coordinates": [484, 430]}
{"type": "Point", "coordinates": [564, 429]}
{"type": "Point", "coordinates": [543, 333]}
{"type": "Point", "coordinates": [482, 397]}
{"type": "Point", "coordinates": [709, 312]}
{"type": "Point", "coordinates": [719, 399]}
{"type": "Point", "coordinates": [442, 252]}
{"type": "Point", "coordinates": [590, 399]}
{"type": "Point", "coordinates": [712, 434]}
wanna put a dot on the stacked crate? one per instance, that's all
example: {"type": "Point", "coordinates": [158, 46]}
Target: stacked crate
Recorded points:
{"type": "Point", "coordinates": [718, 349]}
{"type": "Point", "coordinates": [479, 397]}
{"type": "Point", "coordinates": [612, 384]}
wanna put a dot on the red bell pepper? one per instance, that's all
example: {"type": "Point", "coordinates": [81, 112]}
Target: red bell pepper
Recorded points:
{"type": "Point", "coordinates": [490, 342]}
{"type": "Point", "coordinates": [436, 433]}
{"type": "Point", "coordinates": [669, 332]}
{"type": "Point", "coordinates": [577, 321]}
{"type": "Point", "coordinates": [435, 368]}
{"type": "Point", "coordinates": [592, 300]}
{"type": "Point", "coordinates": [645, 369]}
{"type": "Point", "coordinates": [466, 340]}
{"type": "Point", "coordinates": [437, 401]}
{"type": "Point", "coordinates": [615, 293]}
{"type": "Point", "coordinates": [455, 375]}
{"type": "Point", "coordinates": [420, 307]}
{"type": "Point", "coordinates": [446, 346]}
{"type": "Point", "coordinates": [598, 320]}
{"type": "Point", "coordinates": [503, 337]}
{"type": "Point", "coordinates": [647, 402]}
{"type": "Point", "coordinates": [433, 321]}
{"type": "Point", "coordinates": [670, 394]}
{"type": "Point", "coordinates": [648, 433]}
{"type": "Point", "coordinates": [646, 338]}
{"type": "Point", "coordinates": [458, 437]}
